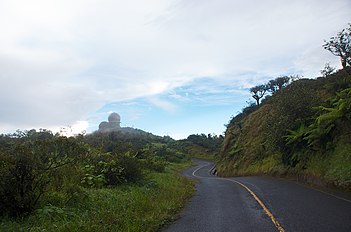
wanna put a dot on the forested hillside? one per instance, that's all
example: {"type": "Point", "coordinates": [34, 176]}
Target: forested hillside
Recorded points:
{"type": "Point", "coordinates": [302, 129]}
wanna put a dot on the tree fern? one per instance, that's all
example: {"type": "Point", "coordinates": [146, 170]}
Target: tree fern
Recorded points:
{"type": "Point", "coordinates": [325, 122]}
{"type": "Point", "coordinates": [296, 135]}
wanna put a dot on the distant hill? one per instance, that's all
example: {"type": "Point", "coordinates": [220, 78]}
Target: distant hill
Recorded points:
{"type": "Point", "coordinates": [123, 139]}
{"type": "Point", "coordinates": [302, 130]}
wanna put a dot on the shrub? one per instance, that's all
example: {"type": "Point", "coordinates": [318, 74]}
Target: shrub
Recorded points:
{"type": "Point", "coordinates": [132, 169]}
{"type": "Point", "coordinates": [102, 170]}
{"type": "Point", "coordinates": [28, 168]}
{"type": "Point", "coordinates": [19, 189]}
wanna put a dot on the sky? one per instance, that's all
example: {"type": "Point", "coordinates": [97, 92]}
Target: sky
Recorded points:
{"type": "Point", "coordinates": [169, 67]}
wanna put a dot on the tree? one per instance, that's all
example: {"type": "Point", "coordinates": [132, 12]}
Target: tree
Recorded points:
{"type": "Point", "coordinates": [340, 45]}
{"type": "Point", "coordinates": [282, 81]}
{"type": "Point", "coordinates": [258, 92]}
{"type": "Point", "coordinates": [327, 70]}
{"type": "Point", "coordinates": [278, 83]}
{"type": "Point", "coordinates": [272, 86]}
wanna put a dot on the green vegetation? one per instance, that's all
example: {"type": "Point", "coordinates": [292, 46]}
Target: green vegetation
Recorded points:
{"type": "Point", "coordinates": [97, 182]}
{"type": "Point", "coordinates": [273, 86]}
{"type": "Point", "coordinates": [128, 180]}
{"type": "Point", "coordinates": [132, 207]}
{"type": "Point", "coordinates": [201, 146]}
{"type": "Point", "coordinates": [302, 129]}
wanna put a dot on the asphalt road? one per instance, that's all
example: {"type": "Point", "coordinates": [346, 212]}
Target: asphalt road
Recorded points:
{"type": "Point", "coordinates": [260, 204]}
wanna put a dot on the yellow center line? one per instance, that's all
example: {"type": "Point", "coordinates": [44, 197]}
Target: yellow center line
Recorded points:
{"type": "Point", "coordinates": [266, 210]}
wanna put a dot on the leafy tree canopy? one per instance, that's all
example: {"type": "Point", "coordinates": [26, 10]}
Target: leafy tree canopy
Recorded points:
{"type": "Point", "coordinates": [340, 45]}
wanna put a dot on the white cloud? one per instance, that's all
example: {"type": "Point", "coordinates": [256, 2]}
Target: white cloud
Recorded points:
{"type": "Point", "coordinates": [62, 60]}
{"type": "Point", "coordinates": [79, 127]}
{"type": "Point", "coordinates": [163, 104]}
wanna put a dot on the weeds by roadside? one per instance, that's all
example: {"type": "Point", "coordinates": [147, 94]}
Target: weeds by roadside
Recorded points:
{"type": "Point", "coordinates": [143, 207]}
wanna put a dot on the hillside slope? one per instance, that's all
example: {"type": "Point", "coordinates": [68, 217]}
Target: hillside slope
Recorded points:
{"type": "Point", "coordinates": [303, 130]}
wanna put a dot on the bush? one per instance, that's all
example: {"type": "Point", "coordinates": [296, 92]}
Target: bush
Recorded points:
{"type": "Point", "coordinates": [103, 170]}
{"type": "Point", "coordinates": [132, 169]}
{"type": "Point", "coordinates": [156, 164]}
{"type": "Point", "coordinates": [20, 190]}
{"type": "Point", "coordinates": [27, 169]}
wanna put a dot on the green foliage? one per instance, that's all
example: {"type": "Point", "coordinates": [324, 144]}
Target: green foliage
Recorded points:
{"type": "Point", "coordinates": [103, 170]}
{"type": "Point", "coordinates": [96, 182]}
{"type": "Point", "coordinates": [40, 169]}
{"type": "Point", "coordinates": [201, 145]}
{"type": "Point", "coordinates": [341, 108]}
{"type": "Point", "coordinates": [109, 169]}
{"type": "Point", "coordinates": [126, 208]}
{"type": "Point", "coordinates": [277, 84]}
{"type": "Point", "coordinates": [319, 132]}
{"type": "Point", "coordinates": [318, 135]}
{"type": "Point", "coordinates": [91, 179]}
{"type": "Point", "coordinates": [29, 168]}
{"type": "Point", "coordinates": [292, 107]}
{"type": "Point", "coordinates": [19, 189]}
{"type": "Point", "coordinates": [237, 120]}
{"type": "Point", "coordinates": [122, 141]}
{"type": "Point", "coordinates": [132, 169]}
{"type": "Point", "coordinates": [159, 152]}
{"type": "Point", "coordinates": [273, 86]}
{"type": "Point", "coordinates": [296, 136]}
{"type": "Point", "coordinates": [301, 124]}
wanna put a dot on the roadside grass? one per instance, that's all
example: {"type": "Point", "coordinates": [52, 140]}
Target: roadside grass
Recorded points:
{"type": "Point", "coordinates": [204, 156]}
{"type": "Point", "coordinates": [335, 169]}
{"type": "Point", "coordinates": [137, 207]}
{"type": "Point", "coordinates": [267, 166]}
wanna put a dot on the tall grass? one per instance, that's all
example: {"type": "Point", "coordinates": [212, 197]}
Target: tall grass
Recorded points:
{"type": "Point", "coordinates": [137, 207]}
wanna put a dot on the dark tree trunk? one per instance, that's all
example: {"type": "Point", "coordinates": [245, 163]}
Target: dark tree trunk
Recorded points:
{"type": "Point", "coordinates": [257, 101]}
{"type": "Point", "coordinates": [343, 62]}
